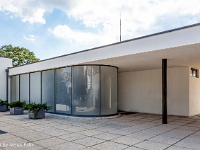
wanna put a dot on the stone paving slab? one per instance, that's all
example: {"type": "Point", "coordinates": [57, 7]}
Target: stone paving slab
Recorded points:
{"type": "Point", "coordinates": [110, 146]}
{"type": "Point", "coordinates": [164, 139]}
{"type": "Point", "coordinates": [89, 141]}
{"type": "Point", "coordinates": [68, 146]}
{"type": "Point", "coordinates": [49, 142]}
{"type": "Point", "coordinates": [129, 132]}
{"type": "Point", "coordinates": [178, 148]}
{"type": "Point", "coordinates": [127, 140]}
{"type": "Point", "coordinates": [72, 137]}
{"type": "Point", "coordinates": [149, 145]}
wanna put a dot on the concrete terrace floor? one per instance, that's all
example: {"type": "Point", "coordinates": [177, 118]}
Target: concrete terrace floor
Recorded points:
{"type": "Point", "coordinates": [128, 132]}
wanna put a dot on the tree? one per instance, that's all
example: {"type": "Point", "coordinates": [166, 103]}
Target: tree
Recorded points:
{"type": "Point", "coordinates": [19, 55]}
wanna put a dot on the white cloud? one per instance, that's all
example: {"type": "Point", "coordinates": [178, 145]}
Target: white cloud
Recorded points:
{"type": "Point", "coordinates": [30, 37]}
{"type": "Point", "coordinates": [83, 38]}
{"type": "Point", "coordinates": [26, 10]}
{"type": "Point", "coordinates": [137, 16]}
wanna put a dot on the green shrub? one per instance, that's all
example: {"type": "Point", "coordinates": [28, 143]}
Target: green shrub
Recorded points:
{"type": "Point", "coordinates": [17, 104]}
{"type": "Point", "coordinates": [3, 102]}
{"type": "Point", "coordinates": [36, 107]}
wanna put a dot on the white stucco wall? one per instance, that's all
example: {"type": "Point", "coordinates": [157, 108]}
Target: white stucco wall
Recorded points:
{"type": "Point", "coordinates": [194, 91]}
{"type": "Point", "coordinates": [141, 91]}
{"type": "Point", "coordinates": [4, 64]}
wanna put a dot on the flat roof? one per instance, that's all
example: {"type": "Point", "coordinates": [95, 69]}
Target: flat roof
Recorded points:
{"type": "Point", "coordinates": [120, 52]}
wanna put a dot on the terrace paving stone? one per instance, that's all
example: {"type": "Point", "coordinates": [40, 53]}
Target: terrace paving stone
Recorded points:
{"type": "Point", "coordinates": [110, 146]}
{"type": "Point", "coordinates": [192, 138]}
{"type": "Point", "coordinates": [133, 148]}
{"type": "Point", "coordinates": [164, 139]}
{"type": "Point", "coordinates": [197, 133]}
{"type": "Point", "coordinates": [141, 135]}
{"type": "Point", "coordinates": [30, 146]}
{"type": "Point", "coordinates": [88, 148]}
{"type": "Point", "coordinates": [6, 136]}
{"type": "Point", "coordinates": [54, 132]}
{"type": "Point", "coordinates": [186, 127]}
{"type": "Point", "coordinates": [127, 140]}
{"type": "Point", "coordinates": [48, 143]}
{"type": "Point", "coordinates": [189, 144]}
{"type": "Point", "coordinates": [89, 141]}
{"type": "Point", "coordinates": [13, 143]}
{"type": "Point", "coordinates": [72, 137]}
{"type": "Point", "coordinates": [178, 148]}
{"type": "Point", "coordinates": [129, 132]}
{"type": "Point", "coordinates": [148, 145]}
{"type": "Point", "coordinates": [75, 129]}
{"type": "Point", "coordinates": [35, 137]}
{"type": "Point", "coordinates": [120, 132]}
{"type": "Point", "coordinates": [177, 133]}
{"type": "Point", "coordinates": [107, 136]}
{"type": "Point", "coordinates": [34, 127]}
{"type": "Point", "coordinates": [68, 146]}
{"type": "Point", "coordinates": [90, 132]}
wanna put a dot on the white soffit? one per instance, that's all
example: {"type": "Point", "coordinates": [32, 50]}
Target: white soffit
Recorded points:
{"type": "Point", "coordinates": [180, 46]}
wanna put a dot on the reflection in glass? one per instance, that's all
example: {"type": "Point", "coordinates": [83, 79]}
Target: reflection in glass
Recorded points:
{"type": "Point", "coordinates": [108, 90]}
{"type": "Point", "coordinates": [48, 88]}
{"type": "Point", "coordinates": [63, 90]}
{"type": "Point", "coordinates": [24, 88]}
{"type": "Point", "coordinates": [35, 87]}
{"type": "Point", "coordinates": [86, 98]}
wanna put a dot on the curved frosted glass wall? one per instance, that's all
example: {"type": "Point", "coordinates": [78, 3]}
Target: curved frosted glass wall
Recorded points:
{"type": "Point", "coordinates": [86, 90]}
{"type": "Point", "coordinates": [108, 90]}
{"type": "Point", "coordinates": [63, 90]}
{"type": "Point", "coordinates": [94, 90]}
{"type": "Point", "coordinates": [89, 90]}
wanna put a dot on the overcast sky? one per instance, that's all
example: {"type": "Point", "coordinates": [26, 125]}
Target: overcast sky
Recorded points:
{"type": "Point", "coordinates": [55, 27]}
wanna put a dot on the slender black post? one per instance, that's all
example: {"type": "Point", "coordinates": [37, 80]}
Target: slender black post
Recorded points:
{"type": "Point", "coordinates": [164, 91]}
{"type": "Point", "coordinates": [7, 87]}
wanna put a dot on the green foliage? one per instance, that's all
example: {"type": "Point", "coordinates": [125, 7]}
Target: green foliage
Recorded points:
{"type": "Point", "coordinates": [19, 55]}
{"type": "Point", "coordinates": [17, 104]}
{"type": "Point", "coordinates": [36, 107]}
{"type": "Point", "coordinates": [3, 102]}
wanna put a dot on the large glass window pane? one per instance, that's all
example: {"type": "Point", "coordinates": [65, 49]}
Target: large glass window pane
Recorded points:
{"type": "Point", "coordinates": [48, 88]}
{"type": "Point", "coordinates": [15, 88]}
{"type": "Point", "coordinates": [24, 87]}
{"type": "Point", "coordinates": [108, 90]}
{"type": "Point", "coordinates": [35, 87]}
{"type": "Point", "coordinates": [63, 90]}
{"type": "Point", "coordinates": [86, 89]}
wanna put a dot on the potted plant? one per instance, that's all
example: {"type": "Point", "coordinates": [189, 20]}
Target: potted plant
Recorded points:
{"type": "Point", "coordinates": [3, 105]}
{"type": "Point", "coordinates": [36, 111]}
{"type": "Point", "coordinates": [16, 108]}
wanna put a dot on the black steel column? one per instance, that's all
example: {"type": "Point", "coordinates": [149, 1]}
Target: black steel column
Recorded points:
{"type": "Point", "coordinates": [164, 91]}
{"type": "Point", "coordinates": [7, 86]}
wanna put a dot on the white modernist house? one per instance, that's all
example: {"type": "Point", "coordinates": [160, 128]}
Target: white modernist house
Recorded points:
{"type": "Point", "coordinates": [157, 74]}
{"type": "Point", "coordinates": [4, 82]}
